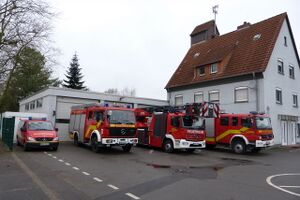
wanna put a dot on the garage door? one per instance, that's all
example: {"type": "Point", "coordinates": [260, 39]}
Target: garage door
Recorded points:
{"type": "Point", "coordinates": [63, 109]}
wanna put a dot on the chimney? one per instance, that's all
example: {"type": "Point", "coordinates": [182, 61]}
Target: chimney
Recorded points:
{"type": "Point", "coordinates": [245, 25]}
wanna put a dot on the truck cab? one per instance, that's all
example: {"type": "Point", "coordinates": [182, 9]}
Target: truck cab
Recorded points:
{"type": "Point", "coordinates": [37, 134]}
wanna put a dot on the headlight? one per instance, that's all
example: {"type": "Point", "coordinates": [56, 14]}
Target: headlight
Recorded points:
{"type": "Point", "coordinates": [55, 139]}
{"type": "Point", "coordinates": [30, 139]}
{"type": "Point", "coordinates": [259, 137]}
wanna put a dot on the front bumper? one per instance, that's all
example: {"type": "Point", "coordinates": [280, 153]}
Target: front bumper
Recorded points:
{"type": "Point", "coordinates": [185, 144]}
{"type": "Point", "coordinates": [264, 143]}
{"type": "Point", "coordinates": [119, 141]}
{"type": "Point", "coordinates": [46, 144]}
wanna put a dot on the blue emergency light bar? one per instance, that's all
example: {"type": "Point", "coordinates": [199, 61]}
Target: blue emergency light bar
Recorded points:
{"type": "Point", "coordinates": [43, 118]}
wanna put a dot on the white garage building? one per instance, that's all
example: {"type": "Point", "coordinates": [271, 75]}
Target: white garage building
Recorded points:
{"type": "Point", "coordinates": [57, 102]}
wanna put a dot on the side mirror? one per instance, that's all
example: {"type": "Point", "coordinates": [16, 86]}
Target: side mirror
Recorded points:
{"type": "Point", "coordinates": [56, 129]}
{"type": "Point", "coordinates": [22, 129]}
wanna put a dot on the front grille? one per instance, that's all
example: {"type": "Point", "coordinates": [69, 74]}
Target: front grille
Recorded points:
{"type": "Point", "coordinates": [267, 137]}
{"type": "Point", "coordinates": [122, 132]}
{"type": "Point", "coordinates": [43, 139]}
{"type": "Point", "coordinates": [194, 137]}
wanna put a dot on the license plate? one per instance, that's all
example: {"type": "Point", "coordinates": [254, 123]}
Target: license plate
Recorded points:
{"type": "Point", "coordinates": [44, 144]}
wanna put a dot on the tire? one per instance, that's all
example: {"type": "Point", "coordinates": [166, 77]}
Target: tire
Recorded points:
{"type": "Point", "coordinates": [76, 142]}
{"type": "Point", "coordinates": [18, 143]}
{"type": "Point", "coordinates": [127, 147]}
{"type": "Point", "coordinates": [94, 145]}
{"type": "Point", "coordinates": [54, 148]}
{"type": "Point", "coordinates": [168, 146]}
{"type": "Point", "coordinates": [26, 148]}
{"type": "Point", "coordinates": [238, 146]}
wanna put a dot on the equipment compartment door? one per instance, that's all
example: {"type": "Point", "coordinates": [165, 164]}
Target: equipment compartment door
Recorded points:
{"type": "Point", "coordinates": [159, 130]}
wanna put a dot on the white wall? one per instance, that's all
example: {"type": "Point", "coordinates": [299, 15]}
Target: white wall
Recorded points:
{"type": "Point", "coordinates": [272, 80]}
{"type": "Point", "coordinates": [227, 103]}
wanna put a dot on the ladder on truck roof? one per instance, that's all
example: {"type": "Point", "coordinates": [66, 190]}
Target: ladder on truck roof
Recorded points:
{"type": "Point", "coordinates": [204, 109]}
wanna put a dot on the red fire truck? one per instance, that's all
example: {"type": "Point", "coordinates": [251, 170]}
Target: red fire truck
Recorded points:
{"type": "Point", "coordinates": [174, 127]}
{"type": "Point", "coordinates": [240, 132]}
{"type": "Point", "coordinates": [99, 126]}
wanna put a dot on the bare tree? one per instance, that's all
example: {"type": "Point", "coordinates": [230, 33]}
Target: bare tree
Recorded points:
{"type": "Point", "coordinates": [124, 92]}
{"type": "Point", "coordinates": [23, 23]}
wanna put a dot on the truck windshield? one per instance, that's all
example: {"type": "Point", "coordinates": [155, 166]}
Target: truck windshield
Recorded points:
{"type": "Point", "coordinates": [192, 122]}
{"type": "Point", "coordinates": [263, 123]}
{"type": "Point", "coordinates": [40, 126]}
{"type": "Point", "coordinates": [121, 117]}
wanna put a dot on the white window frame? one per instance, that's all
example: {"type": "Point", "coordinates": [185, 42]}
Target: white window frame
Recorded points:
{"type": "Point", "coordinates": [39, 103]}
{"type": "Point", "coordinates": [280, 61]}
{"type": "Point", "coordinates": [293, 70]}
{"type": "Point", "coordinates": [178, 96]}
{"type": "Point", "coordinates": [280, 100]}
{"type": "Point", "coordinates": [32, 105]}
{"type": "Point", "coordinates": [211, 68]}
{"type": "Point", "coordinates": [239, 89]}
{"type": "Point", "coordinates": [27, 106]}
{"type": "Point", "coordinates": [213, 92]}
{"type": "Point", "coordinates": [295, 104]}
{"type": "Point", "coordinates": [198, 93]}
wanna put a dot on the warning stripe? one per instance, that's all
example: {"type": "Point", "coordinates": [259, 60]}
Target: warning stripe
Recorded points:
{"type": "Point", "coordinates": [231, 132]}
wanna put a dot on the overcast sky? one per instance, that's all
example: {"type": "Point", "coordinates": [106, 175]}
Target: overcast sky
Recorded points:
{"type": "Point", "coordinates": [140, 43]}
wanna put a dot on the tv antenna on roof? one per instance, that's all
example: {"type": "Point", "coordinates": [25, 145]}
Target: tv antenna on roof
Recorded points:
{"type": "Point", "coordinates": [215, 11]}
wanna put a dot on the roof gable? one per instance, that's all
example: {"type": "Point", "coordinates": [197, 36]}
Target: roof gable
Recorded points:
{"type": "Point", "coordinates": [249, 49]}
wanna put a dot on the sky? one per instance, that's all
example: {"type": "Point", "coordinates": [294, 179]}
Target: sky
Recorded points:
{"type": "Point", "coordinates": [138, 44]}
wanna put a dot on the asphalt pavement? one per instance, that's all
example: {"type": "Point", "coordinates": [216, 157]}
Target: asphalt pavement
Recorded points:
{"type": "Point", "coordinates": [145, 173]}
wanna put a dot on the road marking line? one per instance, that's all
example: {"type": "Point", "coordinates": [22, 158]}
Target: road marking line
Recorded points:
{"type": "Point", "coordinates": [49, 154]}
{"type": "Point", "coordinates": [289, 186]}
{"type": "Point", "coordinates": [48, 192]}
{"type": "Point", "coordinates": [85, 173]}
{"type": "Point", "coordinates": [60, 160]}
{"type": "Point", "coordinates": [132, 196]}
{"type": "Point", "coordinates": [45, 152]}
{"type": "Point", "coordinates": [76, 168]}
{"type": "Point", "coordinates": [97, 179]}
{"type": "Point", "coordinates": [113, 187]}
{"type": "Point", "coordinates": [68, 164]}
{"type": "Point", "coordinates": [54, 157]}
{"type": "Point", "coordinates": [268, 179]}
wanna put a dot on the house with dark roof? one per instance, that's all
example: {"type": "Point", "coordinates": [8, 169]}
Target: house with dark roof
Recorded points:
{"type": "Point", "coordinates": [254, 68]}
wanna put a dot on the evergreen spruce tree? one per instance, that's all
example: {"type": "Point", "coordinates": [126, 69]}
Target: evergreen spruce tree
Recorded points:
{"type": "Point", "coordinates": [74, 75]}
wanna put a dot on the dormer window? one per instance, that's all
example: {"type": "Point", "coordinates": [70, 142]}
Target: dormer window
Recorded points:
{"type": "Point", "coordinates": [214, 68]}
{"type": "Point", "coordinates": [201, 71]}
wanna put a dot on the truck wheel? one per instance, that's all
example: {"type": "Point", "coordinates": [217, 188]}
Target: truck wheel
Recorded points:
{"type": "Point", "coordinates": [18, 143]}
{"type": "Point", "coordinates": [76, 142]}
{"type": "Point", "coordinates": [54, 148]}
{"type": "Point", "coordinates": [94, 144]}
{"type": "Point", "coordinates": [238, 146]}
{"type": "Point", "coordinates": [26, 148]}
{"type": "Point", "coordinates": [168, 146]}
{"type": "Point", "coordinates": [127, 147]}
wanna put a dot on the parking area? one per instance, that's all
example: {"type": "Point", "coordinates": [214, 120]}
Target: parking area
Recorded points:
{"type": "Point", "coordinates": [77, 173]}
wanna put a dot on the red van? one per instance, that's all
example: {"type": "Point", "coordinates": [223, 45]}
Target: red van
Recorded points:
{"type": "Point", "coordinates": [37, 134]}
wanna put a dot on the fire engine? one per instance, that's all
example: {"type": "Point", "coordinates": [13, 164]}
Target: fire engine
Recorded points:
{"type": "Point", "coordinates": [240, 132]}
{"type": "Point", "coordinates": [101, 125]}
{"type": "Point", "coordinates": [172, 128]}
